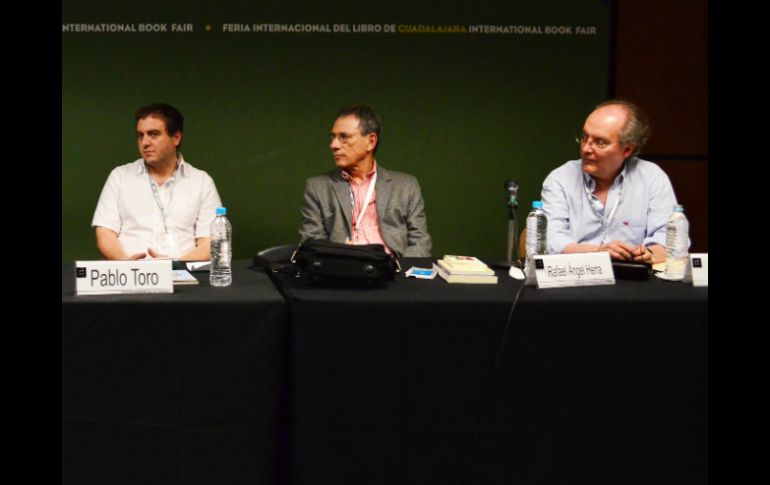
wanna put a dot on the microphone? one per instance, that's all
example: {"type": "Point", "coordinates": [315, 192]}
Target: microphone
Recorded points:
{"type": "Point", "coordinates": [513, 190]}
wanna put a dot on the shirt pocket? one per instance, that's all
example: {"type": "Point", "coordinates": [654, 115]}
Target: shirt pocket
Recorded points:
{"type": "Point", "coordinates": [633, 230]}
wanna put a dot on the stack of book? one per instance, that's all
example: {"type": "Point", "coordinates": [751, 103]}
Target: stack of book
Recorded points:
{"type": "Point", "coordinates": [465, 269]}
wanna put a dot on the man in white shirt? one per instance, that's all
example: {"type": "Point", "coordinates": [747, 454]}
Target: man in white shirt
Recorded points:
{"type": "Point", "coordinates": [158, 206]}
{"type": "Point", "coordinates": [610, 200]}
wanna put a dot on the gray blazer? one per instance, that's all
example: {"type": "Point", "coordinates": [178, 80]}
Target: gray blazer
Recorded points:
{"type": "Point", "coordinates": [326, 211]}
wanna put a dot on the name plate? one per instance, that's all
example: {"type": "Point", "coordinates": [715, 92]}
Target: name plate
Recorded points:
{"type": "Point", "coordinates": [697, 270]}
{"type": "Point", "coordinates": [123, 277]}
{"type": "Point", "coordinates": [579, 269]}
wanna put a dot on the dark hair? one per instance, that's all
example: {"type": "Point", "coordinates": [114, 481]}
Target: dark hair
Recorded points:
{"type": "Point", "coordinates": [637, 127]}
{"type": "Point", "coordinates": [170, 116]}
{"type": "Point", "coordinates": [368, 121]}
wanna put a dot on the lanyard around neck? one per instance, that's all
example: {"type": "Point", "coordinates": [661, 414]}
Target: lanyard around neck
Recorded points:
{"type": "Point", "coordinates": [156, 194]}
{"type": "Point", "coordinates": [367, 199]}
{"type": "Point", "coordinates": [609, 218]}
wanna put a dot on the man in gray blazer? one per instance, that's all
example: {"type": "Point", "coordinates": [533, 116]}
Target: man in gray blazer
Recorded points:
{"type": "Point", "coordinates": [360, 202]}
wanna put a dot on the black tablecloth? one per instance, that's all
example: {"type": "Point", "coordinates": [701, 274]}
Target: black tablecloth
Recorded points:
{"type": "Point", "coordinates": [175, 388]}
{"type": "Point", "coordinates": [419, 382]}
{"type": "Point", "coordinates": [599, 384]}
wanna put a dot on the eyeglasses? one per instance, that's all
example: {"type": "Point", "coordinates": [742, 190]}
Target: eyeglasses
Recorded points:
{"type": "Point", "coordinates": [345, 138]}
{"type": "Point", "coordinates": [597, 144]}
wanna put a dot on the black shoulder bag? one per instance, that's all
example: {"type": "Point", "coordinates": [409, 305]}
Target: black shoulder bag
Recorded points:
{"type": "Point", "coordinates": [323, 262]}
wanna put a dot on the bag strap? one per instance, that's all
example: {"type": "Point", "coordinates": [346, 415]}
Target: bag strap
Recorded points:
{"type": "Point", "coordinates": [288, 269]}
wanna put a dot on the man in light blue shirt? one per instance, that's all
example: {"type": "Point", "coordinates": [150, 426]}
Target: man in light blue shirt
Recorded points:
{"type": "Point", "coordinates": [610, 200]}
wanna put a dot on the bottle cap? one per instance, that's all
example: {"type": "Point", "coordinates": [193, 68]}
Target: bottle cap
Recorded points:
{"type": "Point", "coordinates": [537, 204]}
{"type": "Point", "coordinates": [221, 211]}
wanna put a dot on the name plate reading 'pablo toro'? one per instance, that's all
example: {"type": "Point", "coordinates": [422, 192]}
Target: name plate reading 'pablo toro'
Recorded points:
{"type": "Point", "coordinates": [123, 277]}
{"type": "Point", "coordinates": [579, 269]}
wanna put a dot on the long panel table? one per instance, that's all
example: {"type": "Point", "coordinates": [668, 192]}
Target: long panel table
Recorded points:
{"type": "Point", "coordinates": [419, 382]}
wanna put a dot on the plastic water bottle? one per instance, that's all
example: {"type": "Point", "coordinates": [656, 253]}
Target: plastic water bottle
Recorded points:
{"type": "Point", "coordinates": [677, 243]}
{"type": "Point", "coordinates": [221, 250]}
{"type": "Point", "coordinates": [537, 226]}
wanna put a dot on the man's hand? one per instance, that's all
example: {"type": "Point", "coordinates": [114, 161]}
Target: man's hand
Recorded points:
{"type": "Point", "coordinates": [642, 254]}
{"type": "Point", "coordinates": [620, 250]}
{"type": "Point", "coordinates": [137, 256]}
{"type": "Point", "coordinates": [156, 255]}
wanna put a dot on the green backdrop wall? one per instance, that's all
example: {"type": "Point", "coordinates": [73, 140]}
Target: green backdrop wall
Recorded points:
{"type": "Point", "coordinates": [470, 94]}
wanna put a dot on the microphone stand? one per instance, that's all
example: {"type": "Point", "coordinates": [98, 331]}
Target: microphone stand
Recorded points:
{"type": "Point", "coordinates": [513, 237]}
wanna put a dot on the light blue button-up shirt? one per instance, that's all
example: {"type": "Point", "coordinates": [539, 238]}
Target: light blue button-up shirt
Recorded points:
{"type": "Point", "coordinates": [638, 205]}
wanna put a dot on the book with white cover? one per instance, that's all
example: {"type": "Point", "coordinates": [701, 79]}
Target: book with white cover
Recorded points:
{"type": "Point", "coordinates": [466, 269]}
{"type": "Point", "coordinates": [465, 262]}
{"type": "Point", "coordinates": [466, 278]}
